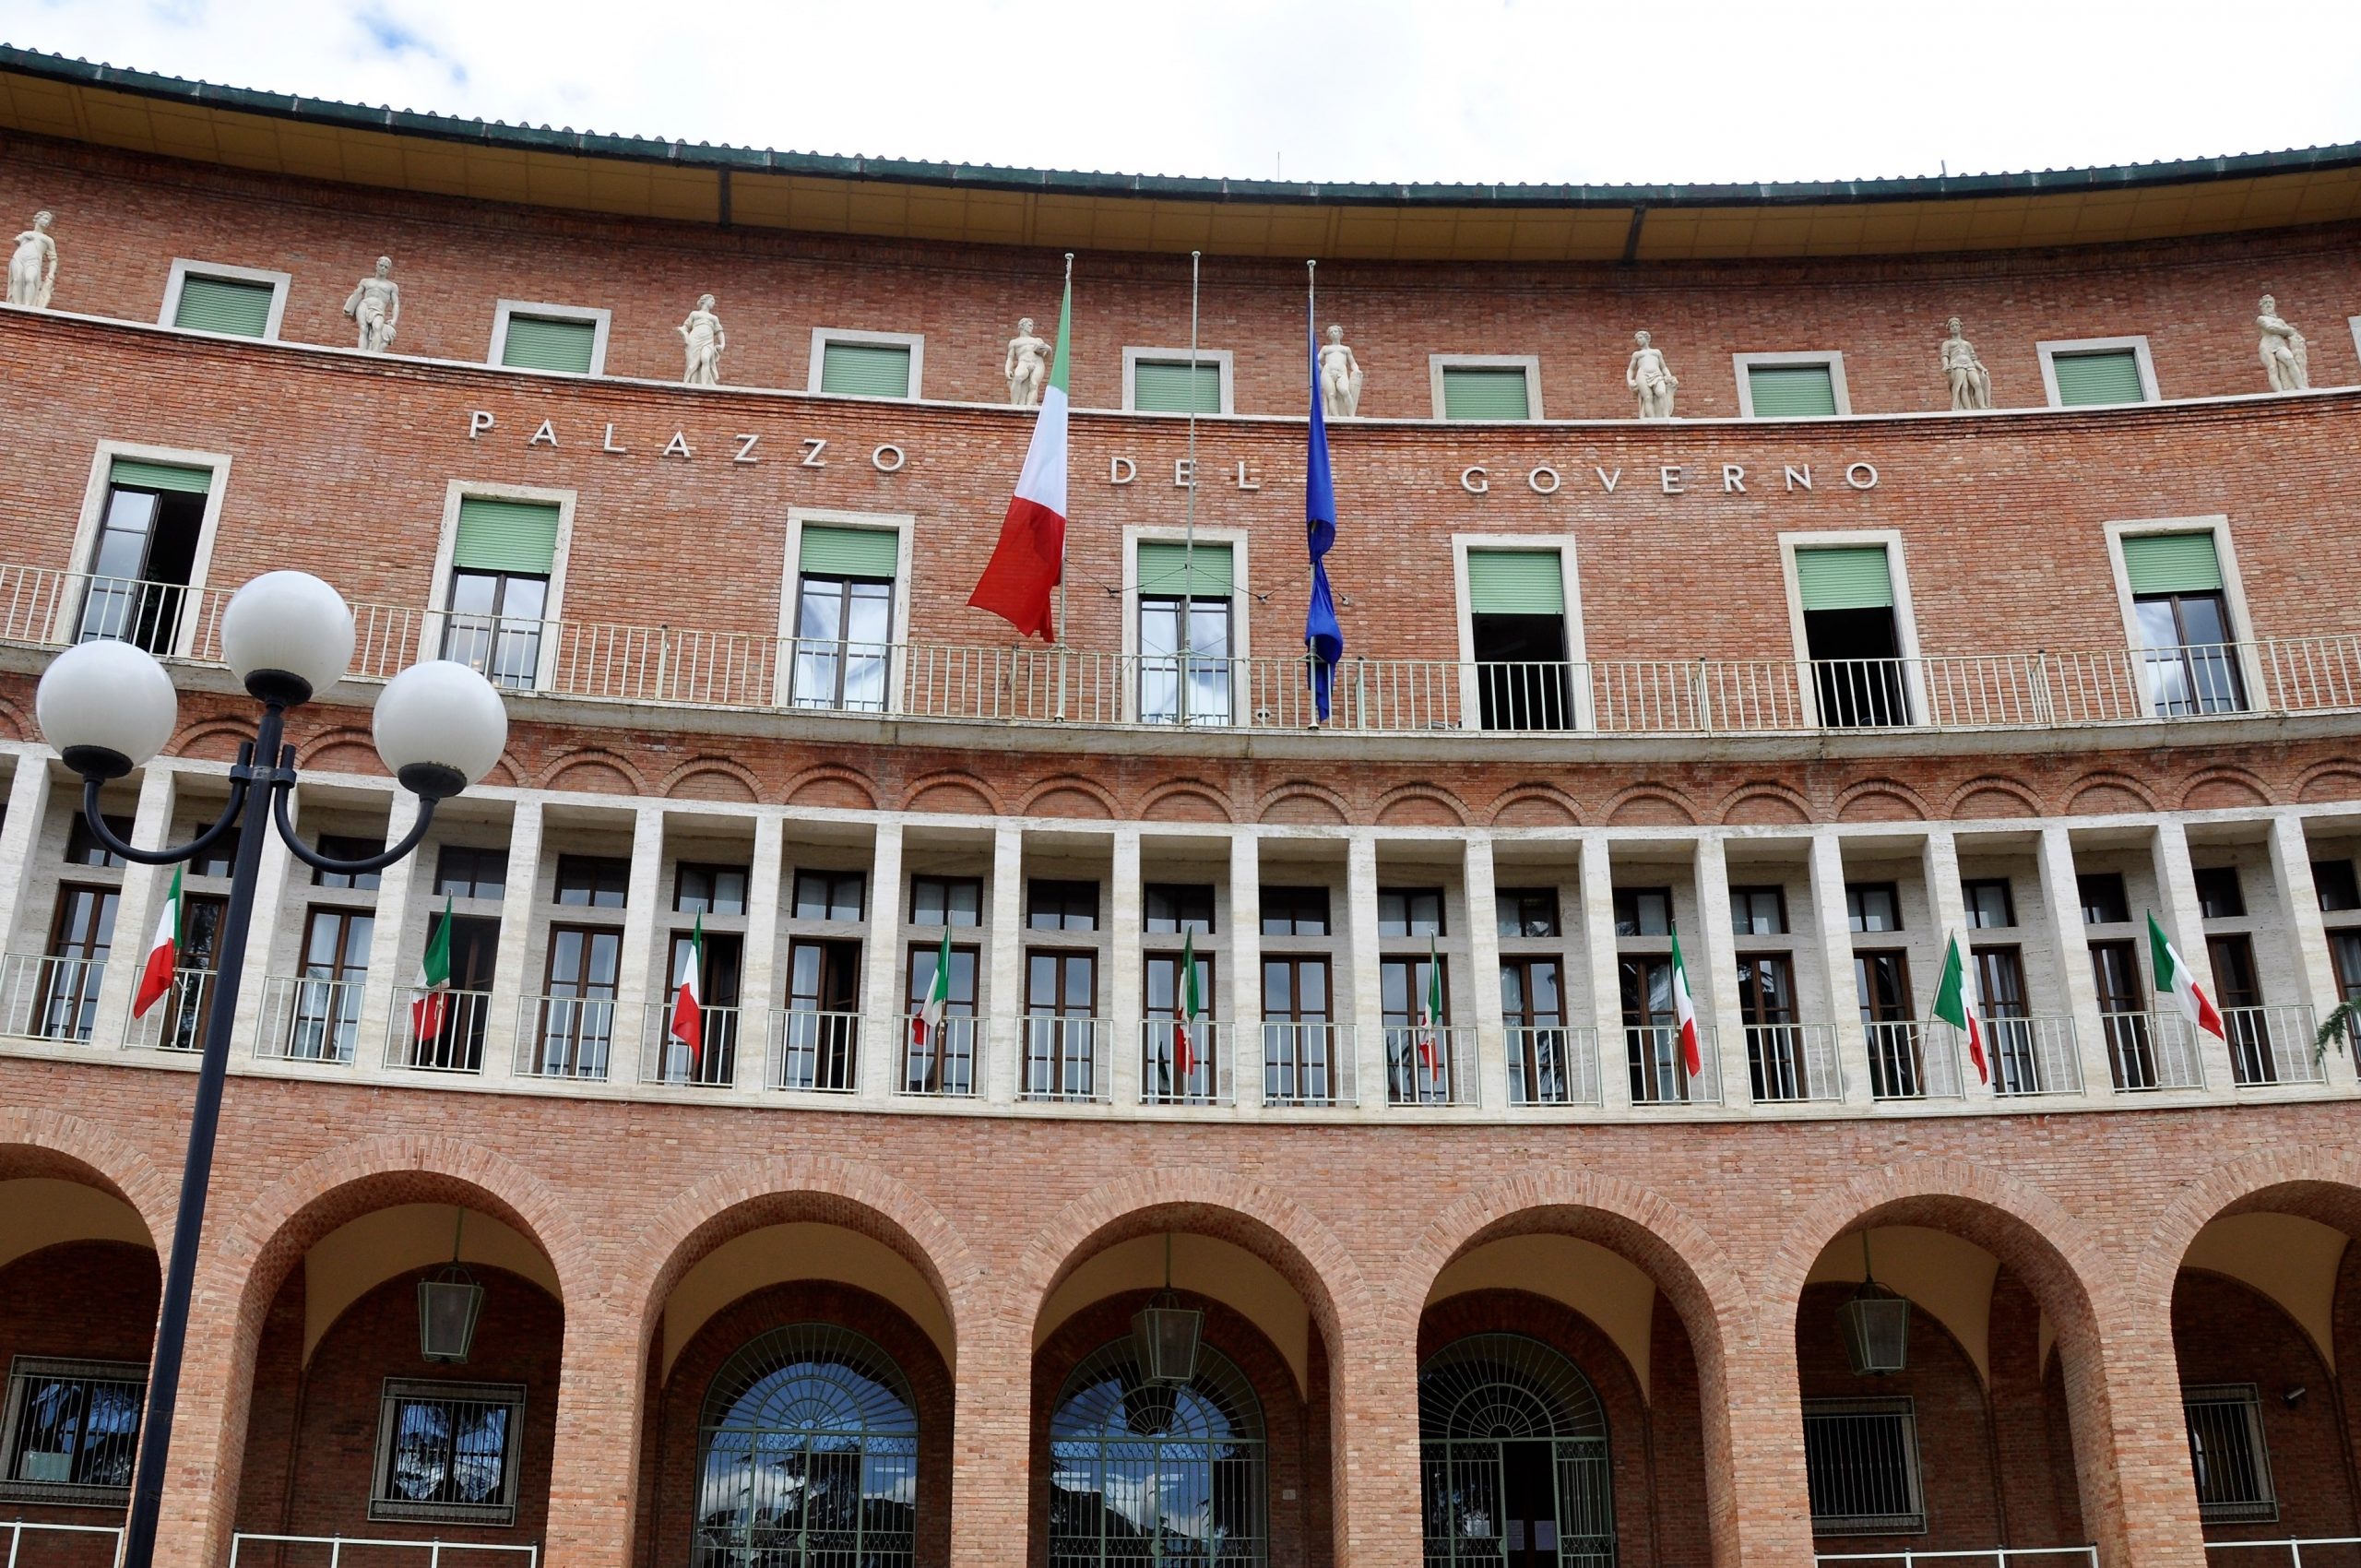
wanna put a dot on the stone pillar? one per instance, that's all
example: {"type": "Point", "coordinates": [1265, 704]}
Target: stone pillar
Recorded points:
{"type": "Point", "coordinates": [761, 986]}
{"type": "Point", "coordinates": [1125, 993]}
{"type": "Point", "coordinates": [1605, 983]}
{"type": "Point", "coordinates": [1484, 977]}
{"type": "Point", "coordinates": [1003, 988]}
{"type": "Point", "coordinates": [645, 977]}
{"type": "Point", "coordinates": [1712, 973]}
{"type": "Point", "coordinates": [2184, 922]}
{"type": "Point", "coordinates": [1940, 862]}
{"type": "Point", "coordinates": [143, 894]}
{"type": "Point", "coordinates": [1373, 1445]}
{"type": "Point", "coordinates": [2138, 1498]}
{"type": "Point", "coordinates": [278, 885]}
{"type": "Point", "coordinates": [2061, 895]}
{"type": "Point", "coordinates": [1834, 940]}
{"type": "Point", "coordinates": [1366, 1013]}
{"type": "Point", "coordinates": [2299, 907]}
{"type": "Point", "coordinates": [513, 1019]}
{"type": "Point", "coordinates": [882, 1030]}
{"type": "Point", "coordinates": [19, 834]}
{"type": "Point", "coordinates": [392, 962]}
{"type": "Point", "coordinates": [1757, 1503]}
{"type": "Point", "coordinates": [992, 1442]}
{"type": "Point", "coordinates": [1243, 952]}
{"type": "Point", "coordinates": [594, 1464]}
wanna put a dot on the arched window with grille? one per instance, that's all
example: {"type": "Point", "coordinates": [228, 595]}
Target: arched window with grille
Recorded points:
{"type": "Point", "coordinates": [1512, 1458]}
{"type": "Point", "coordinates": [807, 1456]}
{"type": "Point", "coordinates": [1156, 1476]}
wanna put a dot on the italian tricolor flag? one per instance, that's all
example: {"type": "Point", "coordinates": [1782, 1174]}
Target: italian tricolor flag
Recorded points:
{"type": "Point", "coordinates": [927, 1027]}
{"type": "Point", "coordinates": [688, 1004]}
{"type": "Point", "coordinates": [1430, 1015]}
{"type": "Point", "coordinates": [1955, 1004]}
{"type": "Point", "coordinates": [2172, 974]}
{"type": "Point", "coordinates": [1184, 1057]}
{"type": "Point", "coordinates": [1684, 1013]}
{"type": "Point", "coordinates": [1029, 562]}
{"type": "Point", "coordinates": [163, 954]}
{"type": "Point", "coordinates": [434, 980]}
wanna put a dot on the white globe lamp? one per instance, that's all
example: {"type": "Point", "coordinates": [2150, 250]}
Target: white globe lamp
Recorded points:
{"type": "Point", "coordinates": [287, 636]}
{"type": "Point", "coordinates": [440, 728]}
{"type": "Point", "coordinates": [107, 706]}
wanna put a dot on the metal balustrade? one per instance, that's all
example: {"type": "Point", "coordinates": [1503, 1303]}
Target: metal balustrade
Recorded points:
{"type": "Point", "coordinates": [176, 1021]}
{"type": "Point", "coordinates": [1791, 1062]}
{"type": "Point", "coordinates": [2271, 1045]}
{"type": "Point", "coordinates": [2150, 1051]}
{"type": "Point", "coordinates": [1913, 1060]}
{"type": "Point", "coordinates": [946, 1063]}
{"type": "Point", "coordinates": [1997, 1556]}
{"type": "Point", "coordinates": [2293, 1546]}
{"type": "Point", "coordinates": [1309, 1065]}
{"type": "Point", "coordinates": [304, 1019]}
{"type": "Point", "coordinates": [711, 1063]}
{"type": "Point", "coordinates": [1063, 1059]}
{"type": "Point", "coordinates": [814, 1052]}
{"type": "Point", "coordinates": [1659, 1071]}
{"type": "Point", "coordinates": [573, 1037]}
{"type": "Point", "coordinates": [433, 1552]}
{"type": "Point", "coordinates": [2034, 1055]}
{"type": "Point", "coordinates": [18, 1530]}
{"type": "Point", "coordinates": [1198, 1075]}
{"type": "Point", "coordinates": [1551, 1064]}
{"type": "Point", "coordinates": [1430, 1066]}
{"type": "Point", "coordinates": [46, 998]}
{"type": "Point", "coordinates": [437, 1032]}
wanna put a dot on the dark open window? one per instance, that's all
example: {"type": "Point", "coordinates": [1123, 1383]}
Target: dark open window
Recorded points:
{"type": "Point", "coordinates": [599, 881]}
{"type": "Point", "coordinates": [1176, 907]}
{"type": "Point", "coordinates": [466, 871]}
{"type": "Point", "coordinates": [830, 895]}
{"type": "Point", "coordinates": [699, 887]}
{"type": "Point", "coordinates": [946, 900]}
{"type": "Point", "coordinates": [1295, 911]}
{"type": "Point", "coordinates": [1516, 607]}
{"type": "Point", "coordinates": [1525, 911]}
{"type": "Point", "coordinates": [1056, 905]}
{"type": "Point", "coordinates": [1851, 635]}
{"type": "Point", "coordinates": [2219, 896]}
{"type": "Point", "coordinates": [145, 553]}
{"type": "Point", "coordinates": [2105, 899]}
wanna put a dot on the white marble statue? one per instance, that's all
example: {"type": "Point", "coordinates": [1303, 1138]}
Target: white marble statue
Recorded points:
{"type": "Point", "coordinates": [1340, 378]}
{"type": "Point", "coordinates": [2284, 357]}
{"type": "Point", "coordinates": [32, 267]}
{"type": "Point", "coordinates": [1025, 366]}
{"type": "Point", "coordinates": [375, 306]}
{"type": "Point", "coordinates": [1651, 378]}
{"type": "Point", "coordinates": [702, 340]}
{"type": "Point", "coordinates": [1971, 382]}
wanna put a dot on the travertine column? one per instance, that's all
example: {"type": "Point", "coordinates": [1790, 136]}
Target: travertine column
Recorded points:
{"type": "Point", "coordinates": [2184, 922]}
{"type": "Point", "coordinates": [760, 985]}
{"type": "Point", "coordinates": [646, 977]}
{"type": "Point", "coordinates": [28, 805]}
{"type": "Point", "coordinates": [512, 982]}
{"type": "Point", "coordinates": [391, 962]}
{"type": "Point", "coordinates": [1367, 1010]}
{"type": "Point", "coordinates": [1483, 1005]}
{"type": "Point", "coordinates": [1713, 972]}
{"type": "Point", "coordinates": [1125, 993]}
{"type": "Point", "coordinates": [1003, 999]}
{"type": "Point", "coordinates": [143, 892]}
{"type": "Point", "coordinates": [279, 873]}
{"type": "Point", "coordinates": [1606, 981]}
{"type": "Point", "coordinates": [2299, 905]}
{"type": "Point", "coordinates": [2061, 895]}
{"type": "Point", "coordinates": [1833, 936]}
{"type": "Point", "coordinates": [882, 1030]}
{"type": "Point", "coordinates": [1242, 949]}
{"type": "Point", "coordinates": [1940, 865]}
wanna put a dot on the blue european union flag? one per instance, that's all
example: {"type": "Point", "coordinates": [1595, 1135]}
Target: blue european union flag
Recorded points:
{"type": "Point", "coordinates": [1321, 636]}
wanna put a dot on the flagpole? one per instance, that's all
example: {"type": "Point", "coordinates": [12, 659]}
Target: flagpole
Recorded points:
{"type": "Point", "coordinates": [1311, 337]}
{"type": "Point", "coordinates": [1189, 513]}
{"type": "Point", "coordinates": [1064, 349]}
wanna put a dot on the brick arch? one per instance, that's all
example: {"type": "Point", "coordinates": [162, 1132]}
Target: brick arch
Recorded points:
{"type": "Point", "coordinates": [2105, 792]}
{"type": "Point", "coordinates": [211, 740]}
{"type": "Point", "coordinates": [1187, 800]}
{"type": "Point", "coordinates": [713, 779]}
{"type": "Point", "coordinates": [1070, 795]}
{"type": "Point", "coordinates": [2224, 788]}
{"type": "Point", "coordinates": [2328, 781]}
{"type": "Point", "coordinates": [2319, 1183]}
{"type": "Point", "coordinates": [590, 762]}
{"type": "Point", "coordinates": [1764, 801]}
{"type": "Point", "coordinates": [1648, 805]}
{"type": "Point", "coordinates": [12, 721]}
{"type": "Point", "coordinates": [1535, 805]}
{"type": "Point", "coordinates": [1880, 800]}
{"type": "Point", "coordinates": [1301, 802]}
{"type": "Point", "coordinates": [1990, 795]}
{"type": "Point", "coordinates": [828, 785]}
{"type": "Point", "coordinates": [338, 750]}
{"type": "Point", "coordinates": [1419, 805]}
{"type": "Point", "coordinates": [51, 1144]}
{"type": "Point", "coordinates": [951, 792]}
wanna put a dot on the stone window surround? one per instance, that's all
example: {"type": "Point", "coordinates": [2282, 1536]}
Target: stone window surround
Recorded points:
{"type": "Point", "coordinates": [1438, 363]}
{"type": "Point", "coordinates": [183, 269]}
{"type": "Point", "coordinates": [1463, 615]}
{"type": "Point", "coordinates": [1905, 620]}
{"type": "Point", "coordinates": [2234, 596]}
{"type": "Point", "coordinates": [1220, 359]}
{"type": "Point", "coordinates": [601, 319]}
{"type": "Point", "coordinates": [1832, 358]}
{"type": "Point", "coordinates": [94, 509]}
{"type": "Point", "coordinates": [1240, 601]}
{"type": "Point", "coordinates": [2050, 348]}
{"type": "Point", "coordinates": [903, 526]}
{"type": "Point", "coordinates": [914, 341]}
{"type": "Point", "coordinates": [430, 623]}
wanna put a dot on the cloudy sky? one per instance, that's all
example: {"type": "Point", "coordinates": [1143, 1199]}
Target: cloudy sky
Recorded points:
{"type": "Point", "coordinates": [1477, 90]}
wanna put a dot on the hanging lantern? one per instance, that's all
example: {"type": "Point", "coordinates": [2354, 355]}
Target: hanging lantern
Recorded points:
{"type": "Point", "coordinates": [1166, 1333]}
{"type": "Point", "coordinates": [1876, 1324]}
{"type": "Point", "coordinates": [448, 1306]}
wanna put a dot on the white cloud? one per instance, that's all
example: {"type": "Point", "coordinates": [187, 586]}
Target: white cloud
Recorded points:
{"type": "Point", "coordinates": [1465, 91]}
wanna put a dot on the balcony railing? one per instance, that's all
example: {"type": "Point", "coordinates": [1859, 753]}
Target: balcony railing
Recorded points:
{"type": "Point", "coordinates": [573, 1037]}
{"type": "Point", "coordinates": [711, 1064]}
{"type": "Point", "coordinates": [1551, 1064]}
{"type": "Point", "coordinates": [46, 998]}
{"type": "Point", "coordinates": [1190, 1067]}
{"type": "Point", "coordinates": [305, 1019]}
{"type": "Point", "coordinates": [1308, 1064]}
{"type": "Point", "coordinates": [2149, 1051]}
{"type": "Point", "coordinates": [2271, 1045]}
{"type": "Point", "coordinates": [1790, 1063]}
{"type": "Point", "coordinates": [814, 1052]}
{"type": "Point", "coordinates": [2032, 1055]}
{"type": "Point", "coordinates": [1434, 1066]}
{"type": "Point", "coordinates": [1063, 1059]}
{"type": "Point", "coordinates": [1659, 1071]}
{"type": "Point", "coordinates": [351, 1552]}
{"type": "Point", "coordinates": [945, 1062]}
{"type": "Point", "coordinates": [428, 1032]}
{"type": "Point", "coordinates": [613, 661]}
{"type": "Point", "coordinates": [1913, 1060]}
{"type": "Point", "coordinates": [177, 1020]}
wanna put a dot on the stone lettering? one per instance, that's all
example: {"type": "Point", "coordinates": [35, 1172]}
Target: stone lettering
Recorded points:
{"type": "Point", "coordinates": [1536, 478]}
{"type": "Point", "coordinates": [889, 458]}
{"type": "Point", "coordinates": [678, 446]}
{"type": "Point", "coordinates": [745, 453]}
{"type": "Point", "coordinates": [1799, 478]}
{"type": "Point", "coordinates": [1862, 476]}
{"type": "Point", "coordinates": [1121, 470]}
{"type": "Point", "coordinates": [1475, 481]}
{"type": "Point", "coordinates": [1242, 483]}
{"type": "Point", "coordinates": [1670, 473]}
{"type": "Point", "coordinates": [1184, 473]}
{"type": "Point", "coordinates": [547, 434]}
{"type": "Point", "coordinates": [609, 443]}
{"type": "Point", "coordinates": [478, 423]}
{"type": "Point", "coordinates": [1609, 481]}
{"type": "Point", "coordinates": [1733, 479]}
{"type": "Point", "coordinates": [813, 447]}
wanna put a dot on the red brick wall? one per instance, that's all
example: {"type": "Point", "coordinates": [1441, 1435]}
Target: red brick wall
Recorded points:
{"type": "Point", "coordinates": [81, 1300]}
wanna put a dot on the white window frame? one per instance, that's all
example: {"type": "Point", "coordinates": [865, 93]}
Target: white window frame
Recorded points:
{"type": "Point", "coordinates": [1906, 615]}
{"type": "Point", "coordinates": [2248, 1397]}
{"type": "Point", "coordinates": [512, 1459]}
{"type": "Point", "coordinates": [601, 321]}
{"type": "Point", "coordinates": [2234, 596]}
{"type": "Point", "coordinates": [1219, 358]}
{"type": "Point", "coordinates": [1463, 611]}
{"type": "Point", "coordinates": [1134, 535]}
{"type": "Point", "coordinates": [57, 1495]}
{"type": "Point", "coordinates": [1531, 364]}
{"type": "Point", "coordinates": [183, 269]}
{"type": "Point", "coordinates": [429, 625]}
{"type": "Point", "coordinates": [68, 612]}
{"type": "Point", "coordinates": [1833, 359]}
{"type": "Point", "coordinates": [914, 341]}
{"type": "Point", "coordinates": [2050, 348]}
{"type": "Point", "coordinates": [1907, 1408]}
{"type": "Point", "coordinates": [2352, 325]}
{"type": "Point", "coordinates": [903, 526]}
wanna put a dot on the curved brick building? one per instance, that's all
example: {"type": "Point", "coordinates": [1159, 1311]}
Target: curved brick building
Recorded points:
{"type": "Point", "coordinates": [1818, 675]}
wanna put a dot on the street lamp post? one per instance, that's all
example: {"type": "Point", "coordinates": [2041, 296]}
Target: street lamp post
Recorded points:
{"type": "Point", "coordinates": [108, 707]}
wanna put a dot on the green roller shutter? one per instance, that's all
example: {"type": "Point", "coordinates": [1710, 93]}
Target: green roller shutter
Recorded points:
{"type": "Point", "coordinates": [223, 304]}
{"type": "Point", "coordinates": [848, 552]}
{"type": "Point", "coordinates": [1792, 391]}
{"type": "Point", "coordinates": [542, 343]}
{"type": "Point", "coordinates": [2172, 563]}
{"type": "Point", "coordinates": [1485, 392]}
{"type": "Point", "coordinates": [1847, 578]}
{"type": "Point", "coordinates": [159, 476]}
{"type": "Point", "coordinates": [1165, 387]}
{"type": "Point", "coordinates": [2110, 375]}
{"type": "Point", "coordinates": [1167, 568]}
{"type": "Point", "coordinates": [507, 536]}
{"type": "Point", "coordinates": [865, 370]}
{"type": "Point", "coordinates": [1515, 582]}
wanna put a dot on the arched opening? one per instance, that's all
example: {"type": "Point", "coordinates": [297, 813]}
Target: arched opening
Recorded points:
{"type": "Point", "coordinates": [1513, 1461]}
{"type": "Point", "coordinates": [1157, 1473]}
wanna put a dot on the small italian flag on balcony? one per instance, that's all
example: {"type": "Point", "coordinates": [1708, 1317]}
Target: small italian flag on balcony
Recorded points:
{"type": "Point", "coordinates": [688, 1006]}
{"type": "Point", "coordinates": [434, 980]}
{"type": "Point", "coordinates": [163, 955]}
{"type": "Point", "coordinates": [1684, 1013]}
{"type": "Point", "coordinates": [927, 1027]}
{"type": "Point", "coordinates": [2172, 974]}
{"type": "Point", "coordinates": [1430, 1015]}
{"type": "Point", "coordinates": [1185, 1056]}
{"type": "Point", "coordinates": [1955, 1005]}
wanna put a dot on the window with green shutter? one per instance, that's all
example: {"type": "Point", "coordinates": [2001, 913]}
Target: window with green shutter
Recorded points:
{"type": "Point", "coordinates": [865, 370]}
{"type": "Point", "coordinates": [1792, 391]}
{"type": "Point", "coordinates": [1486, 392]}
{"type": "Point", "coordinates": [1173, 570]}
{"type": "Point", "coordinates": [140, 474]}
{"type": "Point", "coordinates": [1174, 386]}
{"type": "Point", "coordinates": [549, 342]}
{"type": "Point", "coordinates": [1844, 578]}
{"type": "Point", "coordinates": [1515, 582]}
{"type": "Point", "coordinates": [505, 536]}
{"type": "Point", "coordinates": [2172, 563]}
{"type": "Point", "coordinates": [224, 305]}
{"type": "Point", "coordinates": [2104, 376]}
{"type": "Point", "coordinates": [848, 552]}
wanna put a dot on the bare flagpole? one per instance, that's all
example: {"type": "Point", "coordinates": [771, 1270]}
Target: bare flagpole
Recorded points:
{"type": "Point", "coordinates": [1312, 336]}
{"type": "Point", "coordinates": [1189, 514]}
{"type": "Point", "coordinates": [1067, 326]}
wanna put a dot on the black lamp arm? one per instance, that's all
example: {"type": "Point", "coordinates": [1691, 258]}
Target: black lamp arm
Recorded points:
{"type": "Point", "coordinates": [317, 861]}
{"type": "Point", "coordinates": [240, 777]}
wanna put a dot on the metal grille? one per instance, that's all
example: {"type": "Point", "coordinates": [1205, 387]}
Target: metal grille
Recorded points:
{"type": "Point", "coordinates": [70, 1431]}
{"type": "Point", "coordinates": [1861, 1465]}
{"type": "Point", "coordinates": [1513, 1457]}
{"type": "Point", "coordinates": [1146, 1474]}
{"type": "Point", "coordinates": [807, 1456]}
{"type": "Point", "coordinates": [448, 1451]}
{"type": "Point", "coordinates": [2227, 1455]}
